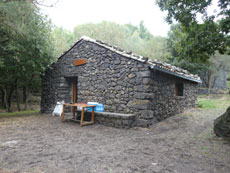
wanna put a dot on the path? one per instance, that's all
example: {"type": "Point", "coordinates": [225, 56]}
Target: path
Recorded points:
{"type": "Point", "coordinates": [184, 143]}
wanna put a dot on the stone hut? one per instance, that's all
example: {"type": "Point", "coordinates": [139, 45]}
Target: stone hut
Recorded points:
{"type": "Point", "coordinates": [124, 82]}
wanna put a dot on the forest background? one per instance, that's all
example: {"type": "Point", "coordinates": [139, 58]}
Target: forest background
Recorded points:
{"type": "Point", "coordinates": [29, 43]}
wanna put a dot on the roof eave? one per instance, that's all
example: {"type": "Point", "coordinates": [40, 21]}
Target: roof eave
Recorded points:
{"type": "Point", "coordinates": [175, 74]}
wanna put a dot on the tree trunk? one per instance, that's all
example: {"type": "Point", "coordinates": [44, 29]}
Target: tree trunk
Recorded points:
{"type": "Point", "coordinates": [24, 94]}
{"type": "Point", "coordinates": [214, 81]}
{"type": "Point", "coordinates": [27, 92]}
{"type": "Point", "coordinates": [3, 101]}
{"type": "Point", "coordinates": [26, 99]}
{"type": "Point", "coordinates": [209, 82]}
{"type": "Point", "coordinates": [10, 97]}
{"type": "Point", "coordinates": [5, 98]}
{"type": "Point", "coordinates": [204, 78]}
{"type": "Point", "coordinates": [17, 98]}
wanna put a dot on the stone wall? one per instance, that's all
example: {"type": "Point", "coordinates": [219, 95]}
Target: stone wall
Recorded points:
{"type": "Point", "coordinates": [221, 81]}
{"type": "Point", "coordinates": [165, 102]}
{"type": "Point", "coordinates": [206, 91]}
{"type": "Point", "coordinates": [122, 84]}
{"type": "Point", "coordinates": [155, 100]}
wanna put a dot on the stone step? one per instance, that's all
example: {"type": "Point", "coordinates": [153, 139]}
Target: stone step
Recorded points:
{"type": "Point", "coordinates": [116, 115]}
{"type": "Point", "coordinates": [118, 120]}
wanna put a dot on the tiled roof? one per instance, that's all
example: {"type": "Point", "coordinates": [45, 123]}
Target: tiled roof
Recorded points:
{"type": "Point", "coordinates": [154, 64]}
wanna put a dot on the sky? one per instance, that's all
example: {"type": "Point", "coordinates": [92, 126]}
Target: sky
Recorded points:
{"type": "Point", "coordinates": [70, 13]}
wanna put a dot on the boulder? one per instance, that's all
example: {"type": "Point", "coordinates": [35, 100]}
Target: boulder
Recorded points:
{"type": "Point", "coordinates": [222, 124]}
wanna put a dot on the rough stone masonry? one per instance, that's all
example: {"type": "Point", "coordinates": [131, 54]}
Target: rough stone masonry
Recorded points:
{"type": "Point", "coordinates": [124, 85]}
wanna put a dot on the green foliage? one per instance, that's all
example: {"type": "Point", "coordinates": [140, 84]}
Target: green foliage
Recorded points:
{"type": "Point", "coordinates": [228, 80]}
{"type": "Point", "coordinates": [188, 54]}
{"type": "Point", "coordinates": [105, 31]}
{"type": "Point", "coordinates": [27, 41]}
{"type": "Point", "coordinates": [143, 32]}
{"type": "Point", "coordinates": [187, 12]}
{"type": "Point", "coordinates": [128, 37]}
{"type": "Point", "coordinates": [181, 51]}
{"type": "Point", "coordinates": [198, 41]}
{"type": "Point", "coordinates": [183, 11]}
{"type": "Point", "coordinates": [25, 46]}
{"type": "Point", "coordinates": [62, 40]}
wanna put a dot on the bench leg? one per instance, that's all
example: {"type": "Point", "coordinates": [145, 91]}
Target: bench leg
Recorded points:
{"type": "Point", "coordinates": [73, 111]}
{"type": "Point", "coordinates": [82, 122]}
{"type": "Point", "coordinates": [82, 116]}
{"type": "Point", "coordinates": [92, 119]}
{"type": "Point", "coordinates": [63, 113]}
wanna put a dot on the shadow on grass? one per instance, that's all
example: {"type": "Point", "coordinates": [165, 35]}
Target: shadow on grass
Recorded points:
{"type": "Point", "coordinates": [16, 114]}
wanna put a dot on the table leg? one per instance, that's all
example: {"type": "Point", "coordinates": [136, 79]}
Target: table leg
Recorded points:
{"type": "Point", "coordinates": [73, 110]}
{"type": "Point", "coordinates": [92, 120]}
{"type": "Point", "coordinates": [82, 116]}
{"type": "Point", "coordinates": [63, 113]}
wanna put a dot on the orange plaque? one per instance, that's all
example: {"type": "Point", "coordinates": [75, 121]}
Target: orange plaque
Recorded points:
{"type": "Point", "coordinates": [78, 62]}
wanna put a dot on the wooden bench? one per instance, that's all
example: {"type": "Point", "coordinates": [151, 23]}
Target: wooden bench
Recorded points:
{"type": "Point", "coordinates": [118, 120]}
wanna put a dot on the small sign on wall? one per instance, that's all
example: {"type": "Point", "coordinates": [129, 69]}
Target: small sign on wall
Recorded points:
{"type": "Point", "coordinates": [78, 62]}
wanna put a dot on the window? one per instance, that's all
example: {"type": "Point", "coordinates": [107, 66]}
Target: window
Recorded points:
{"type": "Point", "coordinates": [179, 89]}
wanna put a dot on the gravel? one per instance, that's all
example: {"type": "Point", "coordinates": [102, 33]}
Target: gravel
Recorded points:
{"type": "Point", "coordinates": [184, 143]}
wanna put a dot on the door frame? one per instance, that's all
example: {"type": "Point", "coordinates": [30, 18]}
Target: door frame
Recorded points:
{"type": "Point", "coordinates": [74, 94]}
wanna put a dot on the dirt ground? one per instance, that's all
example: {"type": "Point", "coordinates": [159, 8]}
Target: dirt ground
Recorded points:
{"type": "Point", "coordinates": [184, 143]}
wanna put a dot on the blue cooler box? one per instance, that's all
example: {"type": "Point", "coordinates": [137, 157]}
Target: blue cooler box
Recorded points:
{"type": "Point", "coordinates": [91, 103]}
{"type": "Point", "coordinates": [99, 108]}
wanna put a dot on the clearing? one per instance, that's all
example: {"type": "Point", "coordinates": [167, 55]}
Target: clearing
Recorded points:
{"type": "Point", "coordinates": [184, 143]}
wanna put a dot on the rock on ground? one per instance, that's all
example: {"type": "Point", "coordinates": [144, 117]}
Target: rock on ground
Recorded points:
{"type": "Point", "coordinates": [222, 124]}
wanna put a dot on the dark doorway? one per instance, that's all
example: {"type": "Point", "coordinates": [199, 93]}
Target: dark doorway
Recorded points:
{"type": "Point", "coordinates": [74, 93]}
{"type": "Point", "coordinates": [74, 90]}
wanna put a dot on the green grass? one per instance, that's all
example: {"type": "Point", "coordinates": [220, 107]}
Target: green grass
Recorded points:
{"type": "Point", "coordinates": [215, 101]}
{"type": "Point", "coordinates": [9, 114]}
{"type": "Point", "coordinates": [228, 83]}
{"type": "Point", "coordinates": [228, 80]}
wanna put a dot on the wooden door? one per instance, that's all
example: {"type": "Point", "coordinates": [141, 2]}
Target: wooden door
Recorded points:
{"type": "Point", "coordinates": [74, 94]}
{"type": "Point", "coordinates": [74, 91]}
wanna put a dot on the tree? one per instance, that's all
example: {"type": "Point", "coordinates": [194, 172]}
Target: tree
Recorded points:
{"type": "Point", "coordinates": [217, 63]}
{"type": "Point", "coordinates": [187, 56]}
{"type": "Point", "coordinates": [26, 47]}
{"type": "Point", "coordinates": [63, 39]}
{"type": "Point", "coordinates": [203, 38]}
{"type": "Point", "coordinates": [196, 43]}
{"type": "Point", "coordinates": [109, 32]}
{"type": "Point", "coordinates": [128, 37]}
{"type": "Point", "coordinates": [143, 32]}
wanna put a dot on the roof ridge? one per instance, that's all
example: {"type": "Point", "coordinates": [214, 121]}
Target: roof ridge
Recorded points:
{"type": "Point", "coordinates": [114, 49]}
{"type": "Point", "coordinates": [132, 55]}
{"type": "Point", "coordinates": [159, 64]}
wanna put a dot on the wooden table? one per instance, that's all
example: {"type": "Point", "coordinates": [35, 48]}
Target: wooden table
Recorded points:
{"type": "Point", "coordinates": [83, 106]}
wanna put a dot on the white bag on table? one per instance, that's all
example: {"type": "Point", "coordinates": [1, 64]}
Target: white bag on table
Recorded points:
{"type": "Point", "coordinates": [58, 108]}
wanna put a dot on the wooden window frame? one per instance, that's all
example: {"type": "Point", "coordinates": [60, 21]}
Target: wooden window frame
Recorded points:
{"type": "Point", "coordinates": [179, 89]}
